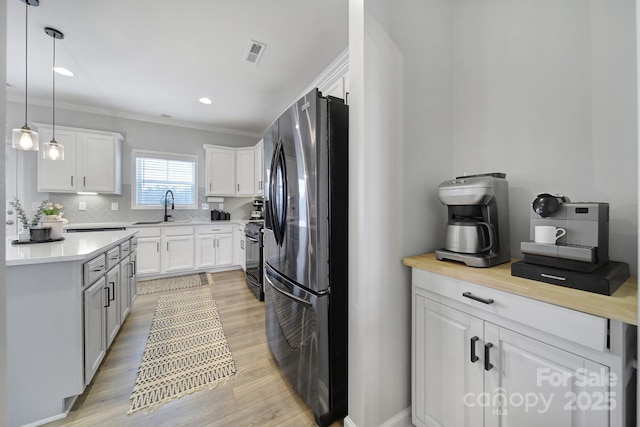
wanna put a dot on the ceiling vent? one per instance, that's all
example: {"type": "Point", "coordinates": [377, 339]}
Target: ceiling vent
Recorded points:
{"type": "Point", "coordinates": [255, 51]}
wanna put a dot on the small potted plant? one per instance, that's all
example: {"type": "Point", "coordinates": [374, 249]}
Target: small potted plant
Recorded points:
{"type": "Point", "coordinates": [53, 218]}
{"type": "Point", "coordinates": [25, 234]}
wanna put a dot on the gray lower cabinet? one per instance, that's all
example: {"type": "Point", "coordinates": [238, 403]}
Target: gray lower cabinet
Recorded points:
{"type": "Point", "coordinates": [95, 332]}
{"type": "Point", "coordinates": [112, 310]}
{"type": "Point", "coordinates": [107, 299]}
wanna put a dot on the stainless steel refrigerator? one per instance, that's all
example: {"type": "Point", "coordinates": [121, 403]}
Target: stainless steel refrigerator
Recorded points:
{"type": "Point", "coordinates": [305, 250]}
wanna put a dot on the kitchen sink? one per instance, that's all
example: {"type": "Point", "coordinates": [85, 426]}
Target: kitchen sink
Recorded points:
{"type": "Point", "coordinates": [146, 222]}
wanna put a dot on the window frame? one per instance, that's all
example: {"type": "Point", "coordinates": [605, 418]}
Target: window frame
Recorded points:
{"type": "Point", "coordinates": [138, 153]}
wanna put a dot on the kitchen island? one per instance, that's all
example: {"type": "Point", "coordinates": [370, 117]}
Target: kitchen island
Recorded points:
{"type": "Point", "coordinates": [50, 325]}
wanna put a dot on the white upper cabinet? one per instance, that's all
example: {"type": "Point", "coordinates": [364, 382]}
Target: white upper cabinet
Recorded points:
{"type": "Point", "coordinates": [220, 171]}
{"type": "Point", "coordinates": [99, 164]}
{"type": "Point", "coordinates": [92, 162]}
{"type": "Point", "coordinates": [245, 170]}
{"type": "Point", "coordinates": [230, 171]}
{"type": "Point", "coordinates": [258, 163]}
{"type": "Point", "coordinates": [58, 175]}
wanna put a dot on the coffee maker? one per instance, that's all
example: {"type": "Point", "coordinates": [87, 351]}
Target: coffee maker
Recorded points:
{"type": "Point", "coordinates": [477, 231]}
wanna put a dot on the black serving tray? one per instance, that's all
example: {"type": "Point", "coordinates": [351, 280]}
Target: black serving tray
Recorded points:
{"type": "Point", "coordinates": [31, 242]}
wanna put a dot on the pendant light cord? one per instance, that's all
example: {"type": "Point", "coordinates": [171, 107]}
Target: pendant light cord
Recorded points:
{"type": "Point", "coordinates": [26, 59]}
{"type": "Point", "coordinates": [54, 89]}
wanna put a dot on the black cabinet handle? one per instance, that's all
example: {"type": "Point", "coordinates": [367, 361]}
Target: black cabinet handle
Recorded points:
{"type": "Point", "coordinates": [487, 364]}
{"type": "Point", "coordinates": [474, 358]}
{"type": "Point", "coordinates": [108, 296]}
{"type": "Point", "coordinates": [473, 297]}
{"type": "Point", "coordinates": [113, 291]}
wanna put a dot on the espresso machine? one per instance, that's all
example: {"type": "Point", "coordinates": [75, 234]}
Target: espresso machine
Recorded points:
{"type": "Point", "coordinates": [477, 231]}
{"type": "Point", "coordinates": [579, 259]}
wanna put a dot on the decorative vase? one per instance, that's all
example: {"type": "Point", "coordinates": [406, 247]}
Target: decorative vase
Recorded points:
{"type": "Point", "coordinates": [55, 224]}
{"type": "Point", "coordinates": [24, 235]}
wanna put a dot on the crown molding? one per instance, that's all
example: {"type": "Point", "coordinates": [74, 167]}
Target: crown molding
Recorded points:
{"type": "Point", "coordinates": [131, 116]}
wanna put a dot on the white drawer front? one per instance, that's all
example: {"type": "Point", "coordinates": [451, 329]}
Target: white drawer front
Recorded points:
{"type": "Point", "coordinates": [177, 231]}
{"type": "Point", "coordinates": [146, 231]}
{"type": "Point", "coordinates": [572, 325]}
{"type": "Point", "coordinates": [214, 228]}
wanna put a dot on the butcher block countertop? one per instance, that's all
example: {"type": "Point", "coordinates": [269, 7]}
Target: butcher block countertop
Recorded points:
{"type": "Point", "coordinates": [621, 306]}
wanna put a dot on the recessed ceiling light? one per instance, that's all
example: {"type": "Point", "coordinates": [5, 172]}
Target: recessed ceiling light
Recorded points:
{"type": "Point", "coordinates": [205, 100]}
{"type": "Point", "coordinates": [63, 71]}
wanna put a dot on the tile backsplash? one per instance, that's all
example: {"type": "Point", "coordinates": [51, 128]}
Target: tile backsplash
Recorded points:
{"type": "Point", "coordinates": [98, 208]}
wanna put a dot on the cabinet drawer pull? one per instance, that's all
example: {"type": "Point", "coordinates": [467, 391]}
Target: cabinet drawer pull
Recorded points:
{"type": "Point", "coordinates": [551, 276]}
{"type": "Point", "coordinates": [474, 358]}
{"type": "Point", "coordinates": [475, 298]}
{"type": "Point", "coordinates": [100, 268]}
{"type": "Point", "coordinates": [487, 354]}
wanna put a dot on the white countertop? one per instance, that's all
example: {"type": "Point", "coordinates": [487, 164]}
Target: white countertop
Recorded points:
{"type": "Point", "coordinates": [74, 247]}
{"type": "Point", "coordinates": [89, 225]}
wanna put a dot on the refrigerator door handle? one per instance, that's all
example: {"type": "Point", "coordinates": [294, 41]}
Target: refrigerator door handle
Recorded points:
{"type": "Point", "coordinates": [285, 292]}
{"type": "Point", "coordinates": [278, 207]}
{"type": "Point", "coordinates": [272, 183]}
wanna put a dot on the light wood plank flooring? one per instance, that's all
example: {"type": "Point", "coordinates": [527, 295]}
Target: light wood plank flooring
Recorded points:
{"type": "Point", "coordinates": [259, 395]}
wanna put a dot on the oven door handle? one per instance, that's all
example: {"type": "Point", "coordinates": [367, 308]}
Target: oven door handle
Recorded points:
{"type": "Point", "coordinates": [252, 239]}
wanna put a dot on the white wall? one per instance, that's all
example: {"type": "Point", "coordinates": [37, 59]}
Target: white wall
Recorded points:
{"type": "Point", "coordinates": [400, 126]}
{"type": "Point", "coordinates": [3, 300]}
{"type": "Point", "coordinates": [546, 92]}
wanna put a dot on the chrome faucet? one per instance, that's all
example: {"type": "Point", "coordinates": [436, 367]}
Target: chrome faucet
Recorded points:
{"type": "Point", "coordinates": [173, 206]}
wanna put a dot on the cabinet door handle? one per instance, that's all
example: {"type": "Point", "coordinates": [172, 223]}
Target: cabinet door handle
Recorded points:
{"type": "Point", "coordinates": [475, 298]}
{"type": "Point", "coordinates": [113, 291]}
{"type": "Point", "coordinates": [108, 297]}
{"type": "Point", "coordinates": [84, 181]}
{"type": "Point", "coordinates": [238, 188]}
{"type": "Point", "coordinates": [72, 180]}
{"type": "Point", "coordinates": [157, 246]}
{"type": "Point", "coordinates": [474, 358]}
{"type": "Point", "coordinates": [487, 354]}
{"type": "Point", "coordinates": [167, 246]}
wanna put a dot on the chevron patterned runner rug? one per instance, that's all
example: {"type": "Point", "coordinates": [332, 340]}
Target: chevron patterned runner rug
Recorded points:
{"type": "Point", "coordinates": [186, 351]}
{"type": "Point", "coordinates": [173, 283]}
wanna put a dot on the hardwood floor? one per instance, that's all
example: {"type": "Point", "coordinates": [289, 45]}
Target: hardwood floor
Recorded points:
{"type": "Point", "coordinates": [259, 395]}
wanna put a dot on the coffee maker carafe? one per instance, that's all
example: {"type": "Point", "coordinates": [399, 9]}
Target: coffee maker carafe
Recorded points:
{"type": "Point", "coordinates": [477, 231]}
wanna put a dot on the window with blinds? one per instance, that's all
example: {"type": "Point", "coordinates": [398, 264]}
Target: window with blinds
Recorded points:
{"type": "Point", "coordinates": [155, 173]}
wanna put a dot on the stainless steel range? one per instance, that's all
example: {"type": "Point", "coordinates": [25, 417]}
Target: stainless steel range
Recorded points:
{"type": "Point", "coordinates": [253, 251]}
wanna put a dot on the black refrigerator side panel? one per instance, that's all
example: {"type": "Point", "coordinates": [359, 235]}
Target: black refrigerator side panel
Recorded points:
{"type": "Point", "coordinates": [338, 139]}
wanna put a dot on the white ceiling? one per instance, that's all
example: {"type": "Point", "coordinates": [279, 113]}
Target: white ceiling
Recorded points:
{"type": "Point", "coordinates": [154, 58]}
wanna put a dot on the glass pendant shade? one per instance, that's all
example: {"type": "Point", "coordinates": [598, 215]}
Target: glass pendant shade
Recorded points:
{"type": "Point", "coordinates": [25, 139]}
{"type": "Point", "coordinates": [53, 151]}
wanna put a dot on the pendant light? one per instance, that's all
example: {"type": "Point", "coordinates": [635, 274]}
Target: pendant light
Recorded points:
{"type": "Point", "coordinates": [25, 138]}
{"type": "Point", "coordinates": [52, 149]}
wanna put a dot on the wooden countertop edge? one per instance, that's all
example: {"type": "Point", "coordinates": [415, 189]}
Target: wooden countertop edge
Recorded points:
{"type": "Point", "coordinates": [621, 306]}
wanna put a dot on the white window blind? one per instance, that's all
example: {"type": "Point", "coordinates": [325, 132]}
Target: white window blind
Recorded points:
{"type": "Point", "coordinates": [155, 173]}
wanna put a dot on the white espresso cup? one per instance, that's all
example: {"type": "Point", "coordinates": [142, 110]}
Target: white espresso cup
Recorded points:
{"type": "Point", "coordinates": [548, 234]}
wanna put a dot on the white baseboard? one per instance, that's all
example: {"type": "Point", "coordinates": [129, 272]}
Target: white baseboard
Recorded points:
{"type": "Point", "coordinates": [401, 419]}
